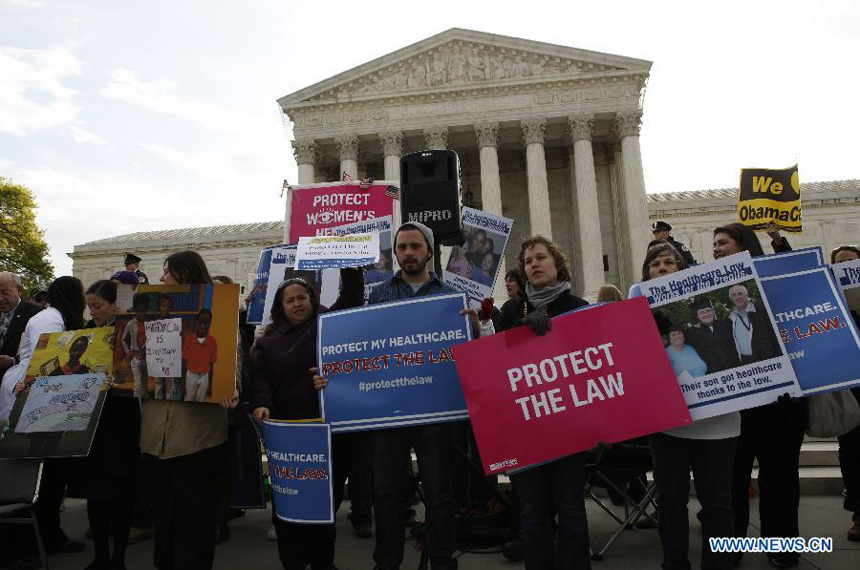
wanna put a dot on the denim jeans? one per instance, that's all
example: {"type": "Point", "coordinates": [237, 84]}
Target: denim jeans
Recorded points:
{"type": "Point", "coordinates": [711, 462]}
{"type": "Point", "coordinates": [433, 445]}
{"type": "Point", "coordinates": [562, 483]}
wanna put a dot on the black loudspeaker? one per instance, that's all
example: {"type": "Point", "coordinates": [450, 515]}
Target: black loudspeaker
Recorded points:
{"type": "Point", "coordinates": [430, 193]}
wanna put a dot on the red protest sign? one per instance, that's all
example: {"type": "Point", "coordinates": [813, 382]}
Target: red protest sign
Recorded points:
{"type": "Point", "coordinates": [600, 375]}
{"type": "Point", "coordinates": [317, 208]}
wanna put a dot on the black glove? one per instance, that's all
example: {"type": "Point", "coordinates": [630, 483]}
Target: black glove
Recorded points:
{"type": "Point", "coordinates": [539, 322]}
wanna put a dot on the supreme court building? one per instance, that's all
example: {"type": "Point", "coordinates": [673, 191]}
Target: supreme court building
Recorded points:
{"type": "Point", "coordinates": [547, 135]}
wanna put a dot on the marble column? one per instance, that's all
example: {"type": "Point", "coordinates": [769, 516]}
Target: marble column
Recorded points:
{"type": "Point", "coordinates": [436, 138]}
{"type": "Point", "coordinates": [348, 146]}
{"type": "Point", "coordinates": [534, 131]}
{"type": "Point", "coordinates": [627, 275]}
{"type": "Point", "coordinates": [588, 228]}
{"type": "Point", "coordinates": [392, 149]}
{"type": "Point", "coordinates": [491, 186]}
{"type": "Point", "coordinates": [305, 151]}
{"type": "Point", "coordinates": [627, 124]}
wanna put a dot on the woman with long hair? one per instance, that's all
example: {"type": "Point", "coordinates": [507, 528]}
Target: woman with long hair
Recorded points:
{"type": "Point", "coordinates": [559, 483]}
{"type": "Point", "coordinates": [773, 433]}
{"type": "Point", "coordinates": [65, 312]}
{"type": "Point", "coordinates": [183, 437]}
{"type": "Point", "coordinates": [283, 388]}
{"type": "Point", "coordinates": [107, 476]}
{"type": "Point", "coordinates": [706, 447]}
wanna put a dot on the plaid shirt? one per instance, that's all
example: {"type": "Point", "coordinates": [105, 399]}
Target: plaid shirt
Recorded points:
{"type": "Point", "coordinates": [396, 289]}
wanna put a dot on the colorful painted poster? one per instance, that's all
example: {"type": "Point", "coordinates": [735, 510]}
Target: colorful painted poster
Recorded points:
{"type": "Point", "coordinates": [814, 325]}
{"type": "Point", "coordinates": [391, 364]}
{"type": "Point", "coordinates": [60, 403]}
{"type": "Point", "coordinates": [789, 262]}
{"type": "Point", "coordinates": [768, 195]}
{"type": "Point", "coordinates": [474, 266]}
{"type": "Point", "coordinates": [207, 318]}
{"type": "Point", "coordinates": [718, 327]}
{"type": "Point", "coordinates": [316, 209]}
{"type": "Point", "coordinates": [336, 252]}
{"type": "Point", "coordinates": [57, 415]}
{"type": "Point", "coordinates": [600, 375]}
{"type": "Point", "coordinates": [299, 459]}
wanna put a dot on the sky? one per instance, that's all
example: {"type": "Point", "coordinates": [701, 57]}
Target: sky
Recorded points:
{"type": "Point", "coordinates": [136, 116]}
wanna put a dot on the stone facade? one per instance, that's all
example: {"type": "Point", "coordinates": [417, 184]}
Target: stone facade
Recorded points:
{"type": "Point", "coordinates": [546, 134]}
{"type": "Point", "coordinates": [228, 250]}
{"type": "Point", "coordinates": [831, 217]}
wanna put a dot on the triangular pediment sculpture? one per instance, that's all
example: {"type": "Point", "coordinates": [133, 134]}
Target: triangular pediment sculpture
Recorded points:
{"type": "Point", "coordinates": [463, 59]}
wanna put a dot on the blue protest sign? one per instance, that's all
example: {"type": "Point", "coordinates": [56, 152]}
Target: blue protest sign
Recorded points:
{"type": "Point", "coordinates": [299, 456]}
{"type": "Point", "coordinates": [392, 364]}
{"type": "Point", "coordinates": [258, 293]}
{"type": "Point", "coordinates": [275, 262]}
{"type": "Point", "coordinates": [789, 262]}
{"type": "Point", "coordinates": [816, 328]}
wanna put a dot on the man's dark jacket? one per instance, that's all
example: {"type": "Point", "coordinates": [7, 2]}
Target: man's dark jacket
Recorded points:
{"type": "Point", "coordinates": [16, 328]}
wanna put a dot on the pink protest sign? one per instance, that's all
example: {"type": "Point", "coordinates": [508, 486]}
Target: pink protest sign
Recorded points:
{"type": "Point", "coordinates": [317, 208]}
{"type": "Point", "coordinates": [600, 375]}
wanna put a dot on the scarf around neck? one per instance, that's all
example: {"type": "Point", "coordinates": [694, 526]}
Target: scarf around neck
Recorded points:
{"type": "Point", "coordinates": [539, 298]}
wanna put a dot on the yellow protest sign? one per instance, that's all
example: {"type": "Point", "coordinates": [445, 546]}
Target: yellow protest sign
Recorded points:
{"type": "Point", "coordinates": [768, 195]}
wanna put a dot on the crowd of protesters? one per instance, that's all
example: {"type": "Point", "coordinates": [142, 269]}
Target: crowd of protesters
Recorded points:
{"type": "Point", "coordinates": [161, 466]}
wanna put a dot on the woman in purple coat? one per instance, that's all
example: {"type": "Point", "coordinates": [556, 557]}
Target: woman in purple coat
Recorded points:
{"type": "Point", "coordinates": [283, 389]}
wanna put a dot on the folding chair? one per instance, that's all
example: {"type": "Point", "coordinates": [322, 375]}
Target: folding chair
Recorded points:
{"type": "Point", "coordinates": [19, 490]}
{"type": "Point", "coordinates": [623, 463]}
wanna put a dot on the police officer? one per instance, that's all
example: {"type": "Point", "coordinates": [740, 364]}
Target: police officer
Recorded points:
{"type": "Point", "coordinates": [661, 230]}
{"type": "Point", "coordinates": [132, 263]}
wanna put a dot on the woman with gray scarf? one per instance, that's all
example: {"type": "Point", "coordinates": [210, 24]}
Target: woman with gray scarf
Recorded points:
{"type": "Point", "coordinates": [555, 486]}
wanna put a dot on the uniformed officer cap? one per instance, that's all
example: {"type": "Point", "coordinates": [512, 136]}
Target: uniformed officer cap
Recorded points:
{"type": "Point", "coordinates": [131, 258]}
{"type": "Point", "coordinates": [660, 226]}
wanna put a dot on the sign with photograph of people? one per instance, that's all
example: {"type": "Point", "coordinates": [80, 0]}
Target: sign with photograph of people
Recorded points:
{"type": "Point", "coordinates": [179, 343]}
{"type": "Point", "coordinates": [720, 336]}
{"type": "Point", "coordinates": [474, 266]}
{"type": "Point", "coordinates": [57, 414]}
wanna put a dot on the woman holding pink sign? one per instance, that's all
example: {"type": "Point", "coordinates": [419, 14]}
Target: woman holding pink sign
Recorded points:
{"type": "Point", "coordinates": [556, 485]}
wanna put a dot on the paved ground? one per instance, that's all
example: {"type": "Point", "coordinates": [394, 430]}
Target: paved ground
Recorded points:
{"type": "Point", "coordinates": [248, 548]}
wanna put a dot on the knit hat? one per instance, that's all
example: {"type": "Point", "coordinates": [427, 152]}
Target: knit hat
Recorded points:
{"type": "Point", "coordinates": [425, 231]}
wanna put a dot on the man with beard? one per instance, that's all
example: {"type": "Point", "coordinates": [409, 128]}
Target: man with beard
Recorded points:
{"type": "Point", "coordinates": [413, 246]}
{"type": "Point", "coordinates": [708, 335]}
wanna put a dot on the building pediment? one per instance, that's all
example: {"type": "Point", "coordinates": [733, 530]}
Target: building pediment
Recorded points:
{"type": "Point", "coordinates": [458, 60]}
